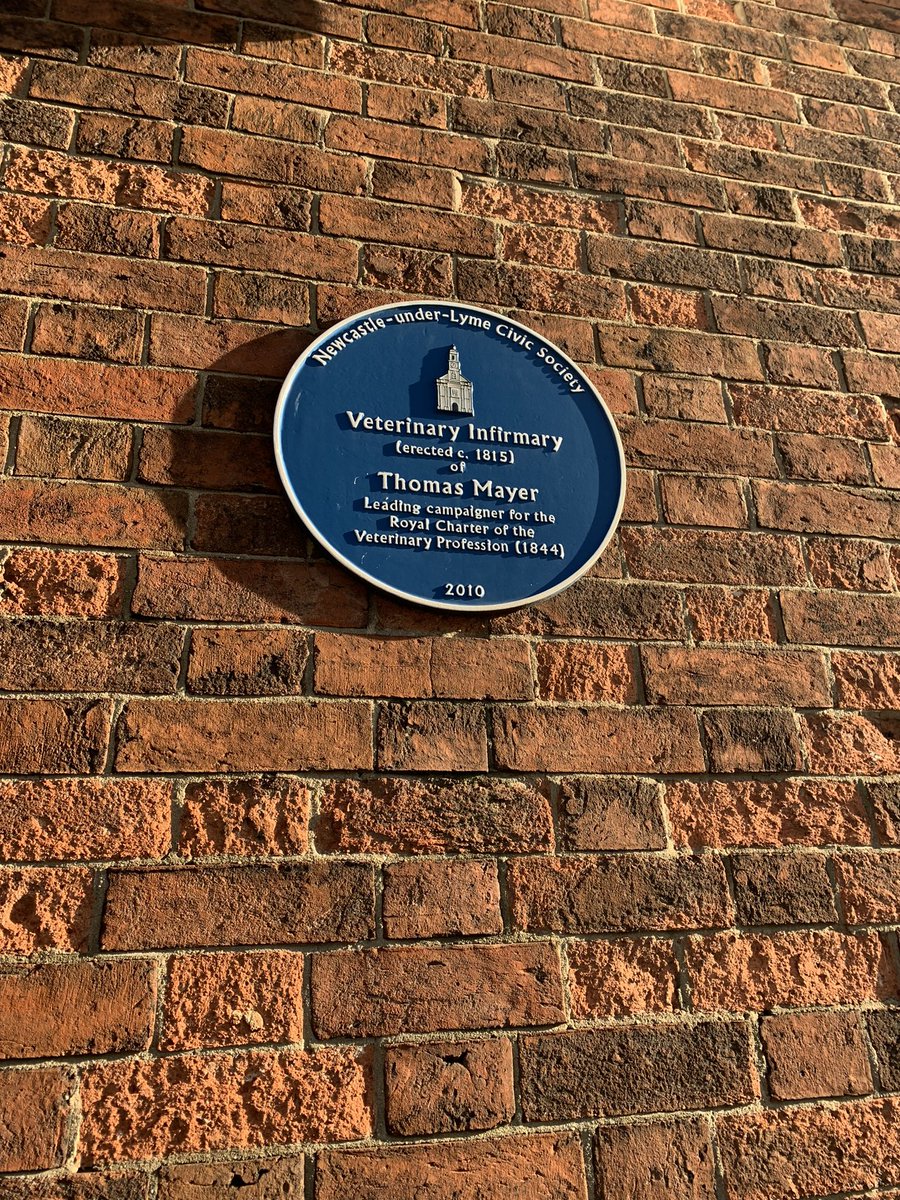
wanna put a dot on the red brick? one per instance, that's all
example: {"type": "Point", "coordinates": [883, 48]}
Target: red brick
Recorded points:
{"type": "Point", "coordinates": [45, 909]}
{"type": "Point", "coordinates": [192, 1103]}
{"type": "Point", "coordinates": [853, 564]}
{"type": "Point", "coordinates": [757, 740]}
{"type": "Point", "coordinates": [534, 288]}
{"type": "Point", "coordinates": [409, 181]}
{"type": "Point", "coordinates": [618, 894]}
{"type": "Point", "coordinates": [140, 55]}
{"type": "Point", "coordinates": [37, 655]}
{"type": "Point", "coordinates": [699, 500]}
{"type": "Point", "coordinates": [255, 817]}
{"type": "Point", "coordinates": [750, 813]}
{"type": "Point", "coordinates": [812, 967]}
{"type": "Point", "coordinates": [434, 816]}
{"type": "Point", "coordinates": [529, 206]}
{"type": "Point", "coordinates": [135, 18]}
{"type": "Point", "coordinates": [73, 388]}
{"type": "Point", "coordinates": [213, 589]}
{"type": "Point", "coordinates": [886, 465]}
{"type": "Point", "coordinates": [868, 681]}
{"type": "Point", "coordinates": [782, 889]}
{"type": "Point", "coordinates": [851, 744]}
{"type": "Point", "coordinates": [64, 448]}
{"type": "Point", "coordinates": [509, 1167]}
{"type": "Point", "coordinates": [441, 899]}
{"type": "Point", "coordinates": [640, 498]}
{"type": "Point", "coordinates": [92, 1007]}
{"type": "Point", "coordinates": [96, 229]}
{"type": "Point", "coordinates": [809, 1150]}
{"type": "Point", "coordinates": [868, 884]}
{"type": "Point", "coordinates": [665, 1160]}
{"type": "Point", "coordinates": [666, 306]}
{"type": "Point", "coordinates": [868, 372]}
{"type": "Point", "coordinates": [775, 239]}
{"type": "Point", "coordinates": [84, 819]}
{"type": "Point", "coordinates": [175, 736]}
{"type": "Point", "coordinates": [621, 978]}
{"type": "Point", "coordinates": [609, 813]}
{"type": "Point", "coordinates": [98, 514]}
{"type": "Point", "coordinates": [432, 737]}
{"type": "Point", "coordinates": [586, 672]}
{"type": "Point", "coordinates": [249, 247]}
{"type": "Point", "coordinates": [679, 446]}
{"type": "Point", "coordinates": [802, 366]}
{"type": "Point", "coordinates": [34, 1118]}
{"type": "Point", "coordinates": [614, 1071]}
{"type": "Point", "coordinates": [881, 330]}
{"type": "Point", "coordinates": [449, 1087]}
{"type": "Point", "coordinates": [247, 662]}
{"type": "Point", "coordinates": [262, 1179]}
{"type": "Point", "coordinates": [273, 206]}
{"type": "Point", "coordinates": [841, 619]}
{"type": "Point", "coordinates": [239, 906]}
{"type": "Point", "coordinates": [794, 409]}
{"type": "Point", "coordinates": [691, 556]}
{"type": "Point", "coordinates": [719, 614]}
{"type": "Point", "coordinates": [124, 137]}
{"type": "Point", "coordinates": [815, 1055]}
{"type": "Point", "coordinates": [825, 510]}
{"type": "Point", "coordinates": [55, 737]}
{"type": "Point", "coordinates": [261, 298]}
{"type": "Point", "coordinates": [235, 999]}
{"type": "Point", "coordinates": [417, 989]}
{"type": "Point", "coordinates": [240, 349]}
{"type": "Point", "coordinates": [431, 667]}
{"type": "Point", "coordinates": [833, 460]}
{"type": "Point", "coordinates": [684, 399]}
{"type": "Point", "coordinates": [207, 459]}
{"type": "Point", "coordinates": [675, 675]}
{"type": "Point", "coordinates": [596, 739]}
{"type": "Point", "coordinates": [61, 583]}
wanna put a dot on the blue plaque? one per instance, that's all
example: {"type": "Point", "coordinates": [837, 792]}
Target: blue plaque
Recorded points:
{"type": "Point", "coordinates": [450, 455]}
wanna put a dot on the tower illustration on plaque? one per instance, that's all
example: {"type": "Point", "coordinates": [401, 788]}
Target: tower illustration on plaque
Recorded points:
{"type": "Point", "coordinates": [454, 391]}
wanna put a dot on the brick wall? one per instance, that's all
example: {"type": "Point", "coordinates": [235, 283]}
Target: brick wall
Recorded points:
{"type": "Point", "coordinates": [301, 883]}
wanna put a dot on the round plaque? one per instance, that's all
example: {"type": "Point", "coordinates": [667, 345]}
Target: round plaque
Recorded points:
{"type": "Point", "coordinates": [450, 455]}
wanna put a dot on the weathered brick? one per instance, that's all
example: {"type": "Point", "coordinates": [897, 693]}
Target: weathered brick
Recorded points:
{"type": "Point", "coordinates": [596, 739]}
{"type": "Point", "coordinates": [211, 589]}
{"type": "Point", "coordinates": [867, 882]}
{"type": "Point", "coordinates": [782, 889]}
{"type": "Point", "coordinates": [884, 1034]}
{"type": "Point", "coordinates": [60, 583]}
{"type": "Point", "coordinates": [247, 662]}
{"type": "Point", "coordinates": [800, 411]}
{"type": "Point", "coordinates": [663, 1160]}
{"type": "Point", "coordinates": [594, 607]}
{"type": "Point", "coordinates": [442, 668]}
{"type": "Point", "coordinates": [832, 460]}
{"type": "Point", "coordinates": [190, 1103]}
{"type": "Point", "coordinates": [91, 333]}
{"type": "Point", "coordinates": [815, 967]}
{"type": "Point", "coordinates": [509, 1167]}
{"type": "Point", "coordinates": [91, 1007]}
{"type": "Point", "coordinates": [674, 675]}
{"type": "Point", "coordinates": [34, 1118]}
{"type": "Point", "coordinates": [815, 1055]}
{"type": "Point", "coordinates": [414, 989]}
{"type": "Point", "coordinates": [75, 388]}
{"type": "Point", "coordinates": [308, 902]}
{"type": "Point", "coordinates": [479, 814]}
{"type": "Point", "coordinates": [756, 813]}
{"type": "Point", "coordinates": [260, 1179]}
{"type": "Point", "coordinates": [720, 614]}
{"type": "Point", "coordinates": [54, 737]}
{"type": "Point", "coordinates": [67, 448]}
{"type": "Point", "coordinates": [663, 1067]}
{"type": "Point", "coordinates": [757, 740]}
{"type": "Point", "coordinates": [621, 977]}
{"type": "Point", "coordinates": [805, 508]}
{"type": "Point", "coordinates": [682, 446]}
{"type": "Point", "coordinates": [618, 894]}
{"type": "Point", "coordinates": [431, 737]}
{"type": "Point", "coordinates": [838, 618]}
{"type": "Point", "coordinates": [254, 817]}
{"type": "Point", "coordinates": [851, 744]}
{"type": "Point", "coordinates": [45, 909]}
{"type": "Point", "coordinates": [696, 500]}
{"type": "Point", "coordinates": [586, 672]}
{"type": "Point", "coordinates": [96, 656]}
{"type": "Point", "coordinates": [233, 999]}
{"type": "Point", "coordinates": [693, 556]}
{"type": "Point", "coordinates": [448, 1087]}
{"type": "Point", "coordinates": [610, 813]}
{"type": "Point", "coordinates": [808, 1150]}
{"type": "Point", "coordinates": [208, 459]}
{"type": "Point", "coordinates": [84, 819]}
{"type": "Point", "coordinates": [441, 899]}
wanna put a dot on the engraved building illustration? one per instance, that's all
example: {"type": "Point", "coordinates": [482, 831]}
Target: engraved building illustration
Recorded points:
{"type": "Point", "coordinates": [454, 391]}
